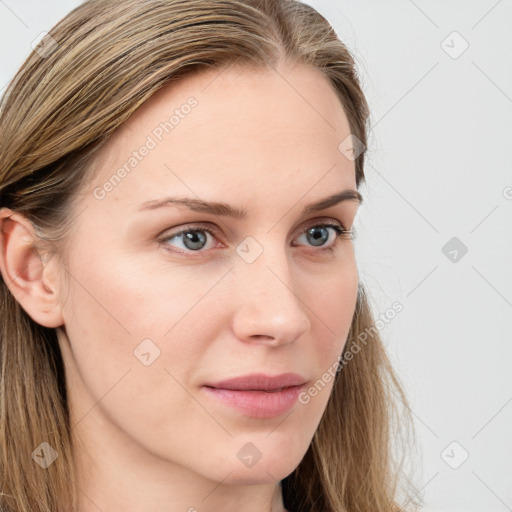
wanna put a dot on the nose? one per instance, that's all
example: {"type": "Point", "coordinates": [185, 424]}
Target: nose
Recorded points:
{"type": "Point", "coordinates": [268, 309]}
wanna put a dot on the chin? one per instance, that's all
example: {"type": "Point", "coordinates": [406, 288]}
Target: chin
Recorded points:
{"type": "Point", "coordinates": [261, 473]}
{"type": "Point", "coordinates": [273, 464]}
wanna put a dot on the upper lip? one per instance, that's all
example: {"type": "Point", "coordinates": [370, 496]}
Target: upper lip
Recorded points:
{"type": "Point", "coordinates": [260, 381]}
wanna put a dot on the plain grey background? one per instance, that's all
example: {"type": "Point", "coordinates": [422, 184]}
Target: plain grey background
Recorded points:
{"type": "Point", "coordinates": [438, 77]}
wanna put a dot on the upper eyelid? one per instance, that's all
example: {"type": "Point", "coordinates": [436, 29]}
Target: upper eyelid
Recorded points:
{"type": "Point", "coordinates": [193, 226]}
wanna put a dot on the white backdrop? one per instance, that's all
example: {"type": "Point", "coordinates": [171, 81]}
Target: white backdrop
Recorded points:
{"type": "Point", "coordinates": [435, 229]}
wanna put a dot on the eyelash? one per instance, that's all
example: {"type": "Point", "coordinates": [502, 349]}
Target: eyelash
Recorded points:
{"type": "Point", "coordinates": [341, 233]}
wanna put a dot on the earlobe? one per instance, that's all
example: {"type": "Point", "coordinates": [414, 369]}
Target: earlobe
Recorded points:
{"type": "Point", "coordinates": [25, 272]}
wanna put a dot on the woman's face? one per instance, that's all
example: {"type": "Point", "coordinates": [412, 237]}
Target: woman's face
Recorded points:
{"type": "Point", "coordinates": [152, 316]}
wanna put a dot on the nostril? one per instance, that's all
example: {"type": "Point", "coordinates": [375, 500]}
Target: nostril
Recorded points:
{"type": "Point", "coordinates": [264, 336]}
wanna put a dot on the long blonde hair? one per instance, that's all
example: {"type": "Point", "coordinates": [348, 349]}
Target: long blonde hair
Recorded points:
{"type": "Point", "coordinates": [96, 68]}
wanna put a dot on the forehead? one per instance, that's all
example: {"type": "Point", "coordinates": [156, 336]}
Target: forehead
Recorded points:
{"type": "Point", "coordinates": [230, 129]}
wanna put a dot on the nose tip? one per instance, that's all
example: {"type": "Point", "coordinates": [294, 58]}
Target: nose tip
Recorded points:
{"type": "Point", "coordinates": [269, 311]}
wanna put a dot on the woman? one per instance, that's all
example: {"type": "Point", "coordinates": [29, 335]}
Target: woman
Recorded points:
{"type": "Point", "coordinates": [183, 327]}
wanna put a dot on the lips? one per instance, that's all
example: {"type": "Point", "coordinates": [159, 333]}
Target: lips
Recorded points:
{"type": "Point", "coordinates": [258, 395]}
{"type": "Point", "coordinates": [260, 382]}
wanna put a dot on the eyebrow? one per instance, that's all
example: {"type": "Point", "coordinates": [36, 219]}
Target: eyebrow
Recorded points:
{"type": "Point", "coordinates": [226, 210]}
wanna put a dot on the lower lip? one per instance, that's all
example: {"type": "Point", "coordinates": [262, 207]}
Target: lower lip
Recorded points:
{"type": "Point", "coordinates": [258, 404]}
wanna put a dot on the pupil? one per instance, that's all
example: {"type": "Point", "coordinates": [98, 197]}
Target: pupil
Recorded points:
{"type": "Point", "coordinates": [318, 238]}
{"type": "Point", "coordinates": [194, 239]}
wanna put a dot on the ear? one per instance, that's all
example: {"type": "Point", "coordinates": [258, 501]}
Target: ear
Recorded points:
{"type": "Point", "coordinates": [31, 281]}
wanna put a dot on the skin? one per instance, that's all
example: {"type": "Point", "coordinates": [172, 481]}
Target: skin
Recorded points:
{"type": "Point", "coordinates": [149, 437]}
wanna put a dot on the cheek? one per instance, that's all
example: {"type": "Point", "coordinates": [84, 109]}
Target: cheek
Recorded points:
{"type": "Point", "coordinates": [332, 300]}
{"type": "Point", "coordinates": [136, 338]}
{"type": "Point", "coordinates": [136, 319]}
{"type": "Point", "coordinates": [131, 299]}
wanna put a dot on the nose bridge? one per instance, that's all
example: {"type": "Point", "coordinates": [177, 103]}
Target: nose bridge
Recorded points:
{"type": "Point", "coordinates": [268, 306]}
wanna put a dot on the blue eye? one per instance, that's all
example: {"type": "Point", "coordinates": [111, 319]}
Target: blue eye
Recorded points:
{"type": "Point", "coordinates": [319, 235]}
{"type": "Point", "coordinates": [195, 238]}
